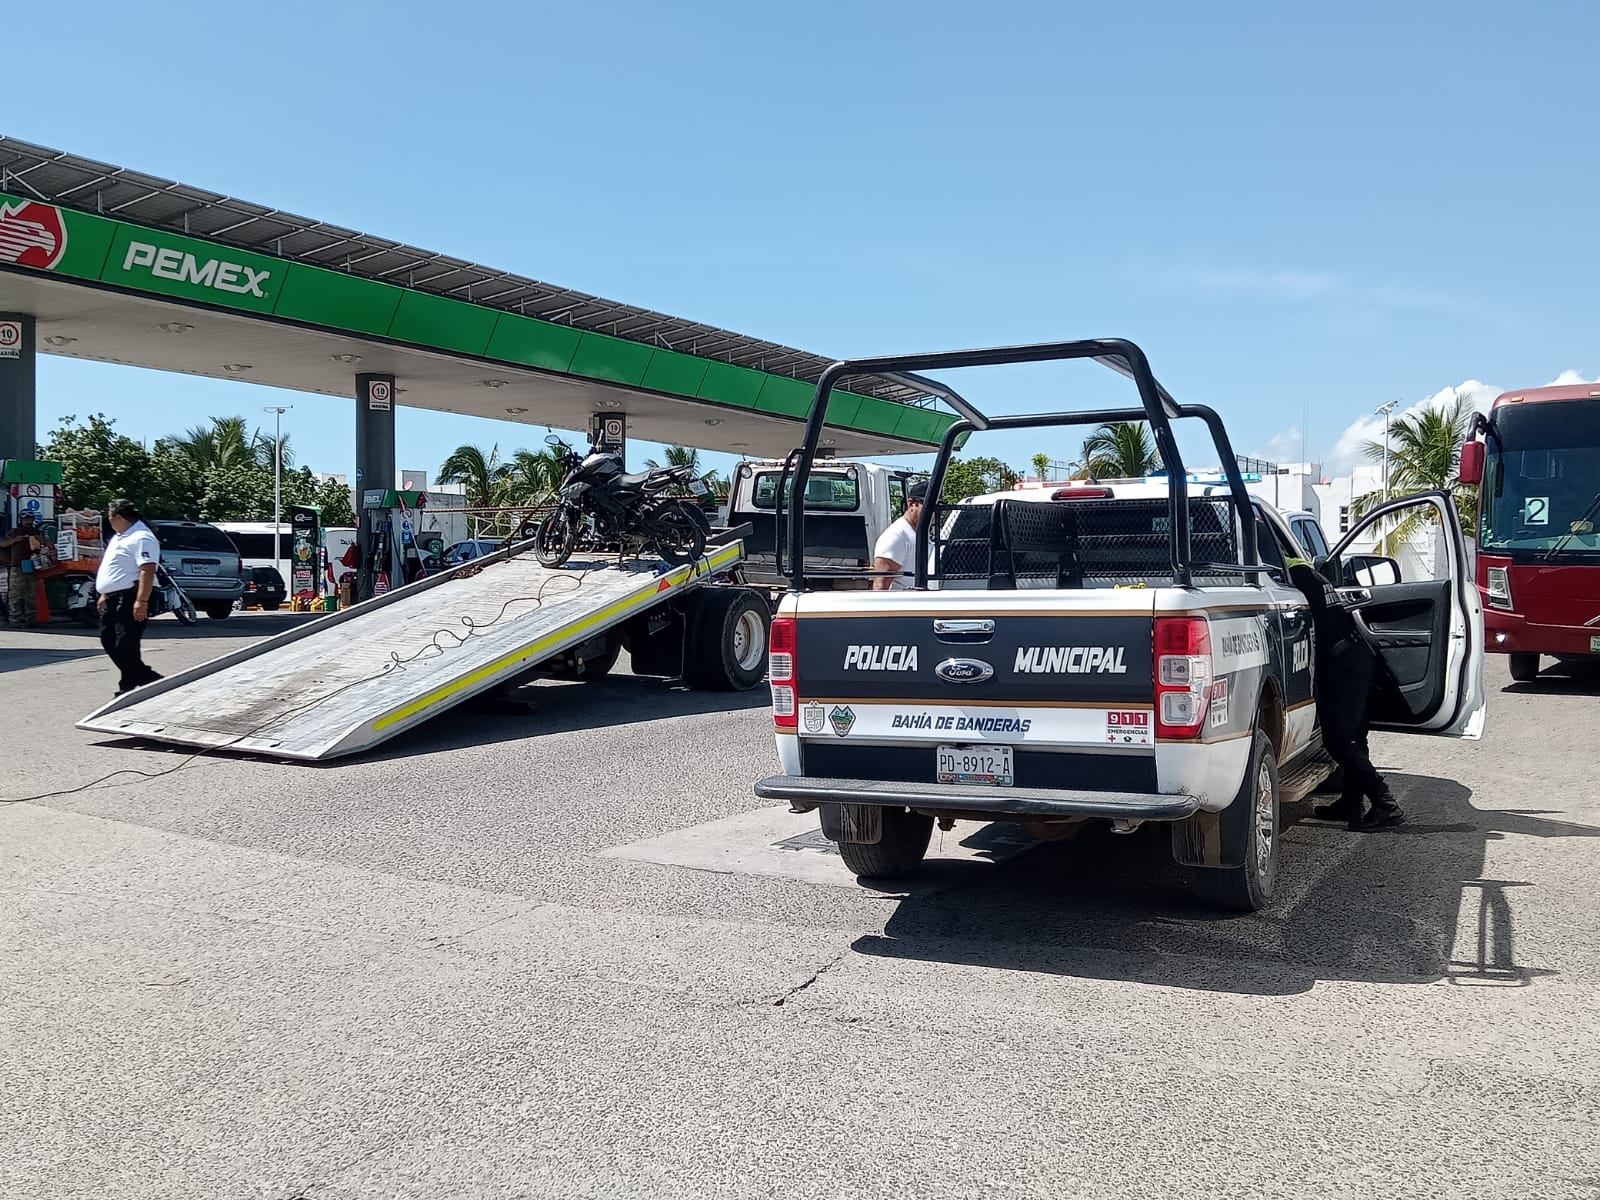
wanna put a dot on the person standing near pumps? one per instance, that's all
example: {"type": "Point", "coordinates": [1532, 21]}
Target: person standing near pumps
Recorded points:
{"type": "Point", "coordinates": [896, 548]}
{"type": "Point", "coordinates": [1346, 675]}
{"type": "Point", "coordinates": [16, 548]}
{"type": "Point", "coordinates": [125, 580]}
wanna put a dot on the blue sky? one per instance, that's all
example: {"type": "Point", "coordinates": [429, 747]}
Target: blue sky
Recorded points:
{"type": "Point", "coordinates": [1297, 210]}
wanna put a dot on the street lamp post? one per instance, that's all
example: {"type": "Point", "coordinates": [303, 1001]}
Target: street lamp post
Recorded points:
{"type": "Point", "coordinates": [1384, 410]}
{"type": "Point", "coordinates": [277, 486]}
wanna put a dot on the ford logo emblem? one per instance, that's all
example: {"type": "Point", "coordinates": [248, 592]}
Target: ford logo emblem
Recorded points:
{"type": "Point", "coordinates": [964, 670]}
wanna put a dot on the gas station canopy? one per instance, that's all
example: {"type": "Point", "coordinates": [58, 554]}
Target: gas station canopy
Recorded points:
{"type": "Point", "coordinates": [123, 267]}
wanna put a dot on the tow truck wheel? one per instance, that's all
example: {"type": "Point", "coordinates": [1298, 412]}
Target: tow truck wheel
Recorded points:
{"type": "Point", "coordinates": [727, 643]}
{"type": "Point", "coordinates": [898, 853]}
{"type": "Point", "coordinates": [1249, 838]}
{"type": "Point", "coordinates": [1524, 667]}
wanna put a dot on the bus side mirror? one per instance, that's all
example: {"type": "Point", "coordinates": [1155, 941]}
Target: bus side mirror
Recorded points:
{"type": "Point", "coordinates": [1471, 470]}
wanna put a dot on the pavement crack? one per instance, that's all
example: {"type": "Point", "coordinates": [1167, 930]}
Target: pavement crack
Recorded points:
{"type": "Point", "coordinates": [815, 975]}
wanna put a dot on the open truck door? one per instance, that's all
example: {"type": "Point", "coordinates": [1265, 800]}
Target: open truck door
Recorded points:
{"type": "Point", "coordinates": [1427, 628]}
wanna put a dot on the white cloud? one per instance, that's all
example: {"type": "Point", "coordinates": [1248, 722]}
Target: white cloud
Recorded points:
{"type": "Point", "coordinates": [1301, 285]}
{"type": "Point", "coordinates": [1569, 377]}
{"type": "Point", "coordinates": [1347, 452]}
{"type": "Point", "coordinates": [1283, 447]}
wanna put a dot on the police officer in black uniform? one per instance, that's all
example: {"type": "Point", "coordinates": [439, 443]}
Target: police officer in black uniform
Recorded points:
{"type": "Point", "coordinates": [1347, 672]}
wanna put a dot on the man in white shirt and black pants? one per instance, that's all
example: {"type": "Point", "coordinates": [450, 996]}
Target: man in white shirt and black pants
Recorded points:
{"type": "Point", "coordinates": [897, 545]}
{"type": "Point", "coordinates": [125, 580]}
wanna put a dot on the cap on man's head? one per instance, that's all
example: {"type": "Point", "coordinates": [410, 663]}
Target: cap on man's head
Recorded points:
{"type": "Point", "coordinates": [25, 515]}
{"type": "Point", "coordinates": [918, 491]}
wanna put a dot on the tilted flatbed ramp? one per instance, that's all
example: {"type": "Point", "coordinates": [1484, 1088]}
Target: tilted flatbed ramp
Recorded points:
{"type": "Point", "coordinates": [348, 681]}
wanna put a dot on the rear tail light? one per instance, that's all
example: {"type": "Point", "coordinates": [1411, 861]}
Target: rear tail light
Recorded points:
{"type": "Point", "coordinates": [1081, 493]}
{"type": "Point", "coordinates": [1183, 675]}
{"type": "Point", "coordinates": [780, 672]}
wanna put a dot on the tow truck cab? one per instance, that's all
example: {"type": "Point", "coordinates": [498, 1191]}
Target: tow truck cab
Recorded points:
{"type": "Point", "coordinates": [848, 506]}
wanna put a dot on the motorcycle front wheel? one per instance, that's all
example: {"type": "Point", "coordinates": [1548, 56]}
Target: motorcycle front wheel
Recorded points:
{"type": "Point", "coordinates": [680, 537]}
{"type": "Point", "coordinates": [554, 541]}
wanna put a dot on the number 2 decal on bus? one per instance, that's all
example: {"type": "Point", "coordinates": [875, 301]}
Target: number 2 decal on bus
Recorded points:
{"type": "Point", "coordinates": [1537, 511]}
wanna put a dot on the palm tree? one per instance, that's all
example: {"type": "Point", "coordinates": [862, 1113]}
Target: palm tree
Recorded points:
{"type": "Point", "coordinates": [686, 456]}
{"type": "Point", "coordinates": [222, 444]}
{"type": "Point", "coordinates": [1041, 465]}
{"type": "Point", "coordinates": [1424, 453]}
{"type": "Point", "coordinates": [484, 474]}
{"type": "Point", "coordinates": [532, 476]}
{"type": "Point", "coordinates": [1121, 450]}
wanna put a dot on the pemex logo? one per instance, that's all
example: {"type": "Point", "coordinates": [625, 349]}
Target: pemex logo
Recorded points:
{"type": "Point", "coordinates": [32, 234]}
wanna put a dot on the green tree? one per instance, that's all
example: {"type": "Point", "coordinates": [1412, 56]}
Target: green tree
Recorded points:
{"type": "Point", "coordinates": [533, 477]}
{"type": "Point", "coordinates": [966, 477]}
{"type": "Point", "coordinates": [1041, 465]}
{"type": "Point", "coordinates": [1121, 450]}
{"type": "Point", "coordinates": [240, 492]}
{"type": "Point", "coordinates": [1424, 454]}
{"type": "Point", "coordinates": [333, 498]}
{"type": "Point", "coordinates": [483, 474]}
{"type": "Point", "coordinates": [223, 443]}
{"type": "Point", "coordinates": [98, 463]}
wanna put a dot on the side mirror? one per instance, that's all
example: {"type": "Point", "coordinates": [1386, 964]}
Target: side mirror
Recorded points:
{"type": "Point", "coordinates": [1319, 564]}
{"type": "Point", "coordinates": [1471, 469]}
{"type": "Point", "coordinates": [1370, 570]}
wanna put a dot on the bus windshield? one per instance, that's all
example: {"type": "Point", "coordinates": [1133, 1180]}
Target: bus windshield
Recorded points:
{"type": "Point", "coordinates": [1541, 485]}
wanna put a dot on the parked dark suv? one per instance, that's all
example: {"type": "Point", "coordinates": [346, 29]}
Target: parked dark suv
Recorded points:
{"type": "Point", "coordinates": [265, 587]}
{"type": "Point", "coordinates": [203, 562]}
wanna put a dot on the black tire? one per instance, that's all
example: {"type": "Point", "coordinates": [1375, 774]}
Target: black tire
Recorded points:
{"type": "Point", "coordinates": [271, 605]}
{"type": "Point", "coordinates": [219, 612]}
{"type": "Point", "coordinates": [725, 646]}
{"type": "Point", "coordinates": [556, 537]}
{"type": "Point", "coordinates": [897, 854]}
{"type": "Point", "coordinates": [1249, 886]}
{"type": "Point", "coordinates": [1524, 667]}
{"type": "Point", "coordinates": [678, 534]}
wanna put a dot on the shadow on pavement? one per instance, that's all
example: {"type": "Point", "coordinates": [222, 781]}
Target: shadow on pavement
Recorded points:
{"type": "Point", "coordinates": [549, 708]}
{"type": "Point", "coordinates": [13, 659]}
{"type": "Point", "coordinates": [1382, 908]}
{"type": "Point", "coordinates": [1561, 679]}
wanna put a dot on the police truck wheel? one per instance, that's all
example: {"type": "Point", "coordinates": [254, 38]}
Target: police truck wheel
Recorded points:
{"type": "Point", "coordinates": [1249, 831]}
{"type": "Point", "coordinates": [1524, 667]}
{"type": "Point", "coordinates": [897, 854]}
{"type": "Point", "coordinates": [726, 649]}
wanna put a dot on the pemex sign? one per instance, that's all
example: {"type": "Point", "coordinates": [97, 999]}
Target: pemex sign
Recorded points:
{"type": "Point", "coordinates": [67, 242]}
{"type": "Point", "coordinates": [32, 234]}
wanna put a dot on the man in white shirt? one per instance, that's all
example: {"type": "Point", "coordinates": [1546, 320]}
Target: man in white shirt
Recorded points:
{"type": "Point", "coordinates": [897, 545]}
{"type": "Point", "coordinates": [126, 577]}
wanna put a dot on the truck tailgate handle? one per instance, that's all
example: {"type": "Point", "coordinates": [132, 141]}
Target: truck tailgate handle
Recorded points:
{"type": "Point", "coordinates": [967, 630]}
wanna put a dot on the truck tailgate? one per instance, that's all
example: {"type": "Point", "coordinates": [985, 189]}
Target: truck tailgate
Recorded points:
{"type": "Point", "coordinates": [1063, 681]}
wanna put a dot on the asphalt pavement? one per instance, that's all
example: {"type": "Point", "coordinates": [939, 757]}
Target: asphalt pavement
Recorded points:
{"type": "Point", "coordinates": [561, 949]}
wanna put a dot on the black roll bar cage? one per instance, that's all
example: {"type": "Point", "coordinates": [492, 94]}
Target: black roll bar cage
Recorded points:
{"type": "Point", "coordinates": [1158, 408]}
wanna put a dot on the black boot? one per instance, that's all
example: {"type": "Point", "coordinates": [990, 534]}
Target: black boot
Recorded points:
{"type": "Point", "coordinates": [1345, 808]}
{"type": "Point", "coordinates": [1385, 814]}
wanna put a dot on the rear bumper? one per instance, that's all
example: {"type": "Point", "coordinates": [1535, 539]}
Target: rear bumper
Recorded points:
{"type": "Point", "coordinates": [1512, 633]}
{"type": "Point", "coordinates": [809, 791]}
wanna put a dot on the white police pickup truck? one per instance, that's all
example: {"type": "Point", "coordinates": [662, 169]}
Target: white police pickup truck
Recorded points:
{"type": "Point", "coordinates": [1128, 654]}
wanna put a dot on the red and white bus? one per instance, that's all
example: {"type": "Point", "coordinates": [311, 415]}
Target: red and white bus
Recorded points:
{"type": "Point", "coordinates": [1538, 466]}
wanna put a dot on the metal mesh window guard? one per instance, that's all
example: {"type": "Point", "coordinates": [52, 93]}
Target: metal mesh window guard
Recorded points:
{"type": "Point", "coordinates": [1071, 544]}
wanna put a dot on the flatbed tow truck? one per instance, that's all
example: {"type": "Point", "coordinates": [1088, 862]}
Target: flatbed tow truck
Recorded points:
{"type": "Point", "coordinates": [353, 679]}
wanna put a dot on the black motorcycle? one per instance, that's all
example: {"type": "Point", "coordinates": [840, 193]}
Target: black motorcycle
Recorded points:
{"type": "Point", "coordinates": [603, 508]}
